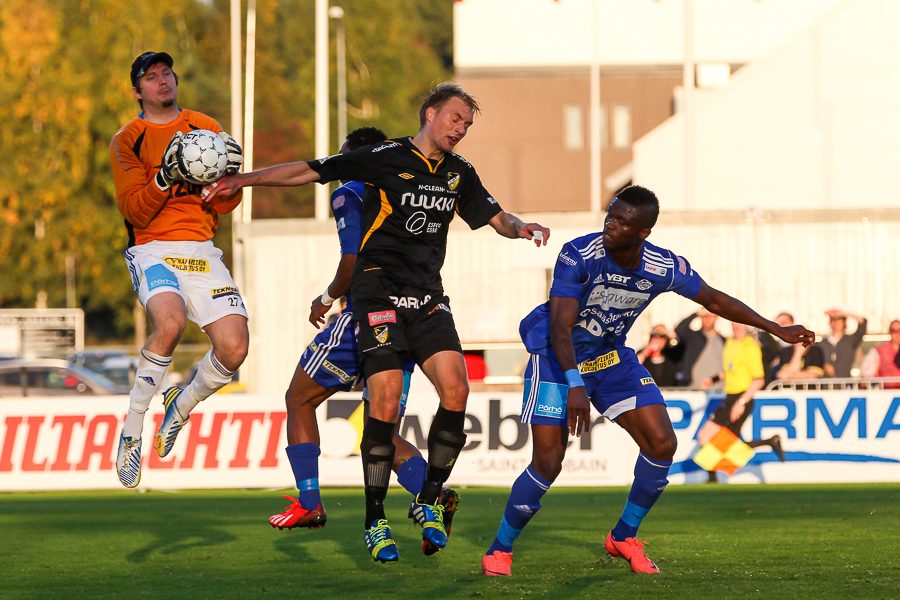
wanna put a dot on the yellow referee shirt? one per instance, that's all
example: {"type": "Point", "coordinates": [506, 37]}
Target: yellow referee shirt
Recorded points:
{"type": "Point", "coordinates": [742, 363]}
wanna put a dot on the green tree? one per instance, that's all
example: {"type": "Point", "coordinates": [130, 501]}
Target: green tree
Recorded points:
{"type": "Point", "coordinates": [391, 63]}
{"type": "Point", "coordinates": [65, 90]}
{"type": "Point", "coordinates": [60, 104]}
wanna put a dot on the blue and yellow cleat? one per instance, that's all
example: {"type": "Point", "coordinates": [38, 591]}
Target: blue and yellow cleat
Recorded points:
{"type": "Point", "coordinates": [449, 499]}
{"type": "Point", "coordinates": [172, 423]}
{"type": "Point", "coordinates": [128, 461]}
{"type": "Point", "coordinates": [380, 543]}
{"type": "Point", "coordinates": [431, 518]}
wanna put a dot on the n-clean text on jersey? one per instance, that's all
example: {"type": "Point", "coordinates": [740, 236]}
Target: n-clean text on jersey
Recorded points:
{"type": "Point", "coordinates": [434, 188]}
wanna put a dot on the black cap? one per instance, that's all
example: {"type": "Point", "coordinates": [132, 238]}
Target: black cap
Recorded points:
{"type": "Point", "coordinates": [145, 61]}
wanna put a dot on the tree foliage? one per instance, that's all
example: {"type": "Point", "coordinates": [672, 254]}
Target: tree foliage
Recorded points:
{"type": "Point", "coordinates": [65, 90]}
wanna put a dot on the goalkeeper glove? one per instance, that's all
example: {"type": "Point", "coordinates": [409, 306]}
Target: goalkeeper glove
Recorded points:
{"type": "Point", "coordinates": [168, 170]}
{"type": "Point", "coordinates": [235, 154]}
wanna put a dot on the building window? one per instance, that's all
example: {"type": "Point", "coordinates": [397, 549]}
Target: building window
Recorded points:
{"type": "Point", "coordinates": [621, 126]}
{"type": "Point", "coordinates": [573, 124]}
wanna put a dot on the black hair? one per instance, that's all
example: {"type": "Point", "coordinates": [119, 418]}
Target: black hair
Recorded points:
{"type": "Point", "coordinates": [364, 136]}
{"type": "Point", "coordinates": [642, 199]}
{"type": "Point", "coordinates": [443, 92]}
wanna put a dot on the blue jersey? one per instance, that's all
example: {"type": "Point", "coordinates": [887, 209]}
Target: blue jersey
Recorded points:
{"type": "Point", "coordinates": [611, 297]}
{"type": "Point", "coordinates": [346, 203]}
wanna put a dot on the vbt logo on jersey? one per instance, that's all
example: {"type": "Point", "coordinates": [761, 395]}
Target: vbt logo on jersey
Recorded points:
{"type": "Point", "coordinates": [441, 203]}
{"type": "Point", "coordinates": [616, 278]}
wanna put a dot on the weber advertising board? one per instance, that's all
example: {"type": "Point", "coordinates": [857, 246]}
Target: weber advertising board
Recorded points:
{"type": "Point", "coordinates": [238, 440]}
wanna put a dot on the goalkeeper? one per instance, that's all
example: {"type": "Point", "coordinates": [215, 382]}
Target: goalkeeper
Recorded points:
{"type": "Point", "coordinates": [176, 271]}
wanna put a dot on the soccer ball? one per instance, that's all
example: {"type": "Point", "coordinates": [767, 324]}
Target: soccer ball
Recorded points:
{"type": "Point", "coordinates": [202, 157]}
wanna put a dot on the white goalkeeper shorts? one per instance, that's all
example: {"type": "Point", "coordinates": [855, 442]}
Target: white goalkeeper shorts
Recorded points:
{"type": "Point", "coordinates": [193, 270]}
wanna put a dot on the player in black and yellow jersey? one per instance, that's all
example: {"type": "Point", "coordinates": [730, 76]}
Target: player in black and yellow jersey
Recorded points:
{"type": "Point", "coordinates": [414, 188]}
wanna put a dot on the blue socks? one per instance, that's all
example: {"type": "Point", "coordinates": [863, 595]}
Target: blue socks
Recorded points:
{"type": "Point", "coordinates": [411, 475]}
{"type": "Point", "coordinates": [524, 502]}
{"type": "Point", "coordinates": [649, 482]}
{"type": "Point", "coordinates": [304, 459]}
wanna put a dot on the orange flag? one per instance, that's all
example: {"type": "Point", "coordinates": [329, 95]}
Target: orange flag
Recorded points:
{"type": "Point", "coordinates": [725, 452]}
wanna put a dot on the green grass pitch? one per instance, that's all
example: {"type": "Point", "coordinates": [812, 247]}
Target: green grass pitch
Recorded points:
{"type": "Point", "coordinates": [710, 541]}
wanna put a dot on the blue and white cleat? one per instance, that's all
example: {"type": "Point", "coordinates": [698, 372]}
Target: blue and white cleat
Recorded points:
{"type": "Point", "coordinates": [380, 543]}
{"type": "Point", "coordinates": [431, 518]}
{"type": "Point", "coordinates": [172, 423]}
{"type": "Point", "coordinates": [128, 461]}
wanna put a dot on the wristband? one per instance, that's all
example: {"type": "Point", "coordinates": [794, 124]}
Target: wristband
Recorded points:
{"type": "Point", "coordinates": [715, 378]}
{"type": "Point", "coordinates": [573, 377]}
{"type": "Point", "coordinates": [326, 299]}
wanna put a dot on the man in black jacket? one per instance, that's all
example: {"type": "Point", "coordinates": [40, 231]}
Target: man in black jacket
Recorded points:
{"type": "Point", "coordinates": [702, 358]}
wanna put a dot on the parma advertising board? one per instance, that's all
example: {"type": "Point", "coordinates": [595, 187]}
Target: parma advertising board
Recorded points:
{"type": "Point", "coordinates": [238, 440]}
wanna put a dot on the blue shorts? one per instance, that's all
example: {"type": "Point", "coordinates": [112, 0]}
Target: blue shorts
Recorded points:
{"type": "Point", "coordinates": [615, 381]}
{"type": "Point", "coordinates": [332, 359]}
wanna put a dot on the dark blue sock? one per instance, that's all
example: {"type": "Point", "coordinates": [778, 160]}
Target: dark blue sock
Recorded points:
{"type": "Point", "coordinates": [524, 502]}
{"type": "Point", "coordinates": [411, 474]}
{"type": "Point", "coordinates": [304, 459]}
{"type": "Point", "coordinates": [649, 483]}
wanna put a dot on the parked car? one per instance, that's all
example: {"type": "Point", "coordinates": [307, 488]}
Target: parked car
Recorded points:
{"type": "Point", "coordinates": [115, 365]}
{"type": "Point", "coordinates": [53, 377]}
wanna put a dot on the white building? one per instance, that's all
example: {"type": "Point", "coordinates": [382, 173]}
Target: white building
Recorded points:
{"type": "Point", "coordinates": [794, 160]}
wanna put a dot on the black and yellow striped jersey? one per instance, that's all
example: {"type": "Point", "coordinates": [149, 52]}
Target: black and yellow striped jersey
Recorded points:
{"type": "Point", "coordinates": [408, 204]}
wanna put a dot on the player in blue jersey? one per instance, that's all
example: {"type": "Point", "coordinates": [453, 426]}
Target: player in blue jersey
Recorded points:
{"type": "Point", "coordinates": [330, 364]}
{"type": "Point", "coordinates": [602, 283]}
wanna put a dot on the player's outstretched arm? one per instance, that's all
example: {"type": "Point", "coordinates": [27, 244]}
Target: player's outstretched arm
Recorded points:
{"type": "Point", "coordinates": [287, 175]}
{"type": "Point", "coordinates": [511, 226]}
{"type": "Point", "coordinates": [563, 314]}
{"type": "Point", "coordinates": [733, 309]}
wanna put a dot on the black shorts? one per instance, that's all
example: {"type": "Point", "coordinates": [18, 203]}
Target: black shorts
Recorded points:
{"type": "Point", "coordinates": [722, 414]}
{"type": "Point", "coordinates": [396, 321]}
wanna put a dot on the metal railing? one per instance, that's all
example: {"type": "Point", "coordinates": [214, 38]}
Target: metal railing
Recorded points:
{"type": "Point", "coordinates": [835, 383]}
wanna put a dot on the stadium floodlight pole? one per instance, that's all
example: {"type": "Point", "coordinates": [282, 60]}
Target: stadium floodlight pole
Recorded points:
{"type": "Point", "coordinates": [237, 267]}
{"type": "Point", "coordinates": [322, 127]}
{"type": "Point", "coordinates": [235, 129]}
{"type": "Point", "coordinates": [688, 115]}
{"type": "Point", "coordinates": [337, 13]}
{"type": "Point", "coordinates": [247, 203]}
{"type": "Point", "coordinates": [595, 171]}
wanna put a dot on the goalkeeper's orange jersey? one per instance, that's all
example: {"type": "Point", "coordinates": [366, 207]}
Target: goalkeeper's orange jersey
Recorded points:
{"type": "Point", "coordinates": [176, 214]}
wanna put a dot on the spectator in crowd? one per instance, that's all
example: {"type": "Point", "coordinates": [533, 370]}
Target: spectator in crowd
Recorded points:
{"type": "Point", "coordinates": [742, 371]}
{"type": "Point", "coordinates": [839, 348]}
{"type": "Point", "coordinates": [702, 349]}
{"type": "Point", "coordinates": [797, 362]}
{"type": "Point", "coordinates": [881, 361]}
{"type": "Point", "coordinates": [661, 355]}
{"type": "Point", "coordinates": [772, 347]}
